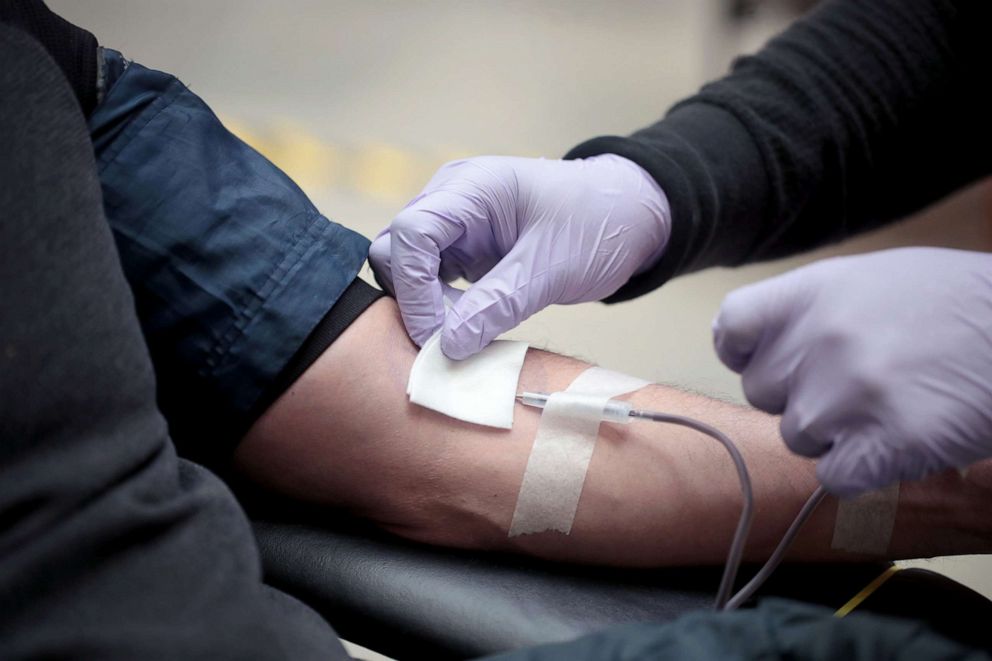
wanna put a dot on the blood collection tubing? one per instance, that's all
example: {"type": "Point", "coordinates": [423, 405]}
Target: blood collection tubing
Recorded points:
{"type": "Point", "coordinates": [618, 411]}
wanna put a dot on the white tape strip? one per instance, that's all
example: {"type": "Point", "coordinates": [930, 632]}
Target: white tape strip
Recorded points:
{"type": "Point", "coordinates": [480, 389]}
{"type": "Point", "coordinates": [864, 524]}
{"type": "Point", "coordinates": [563, 447]}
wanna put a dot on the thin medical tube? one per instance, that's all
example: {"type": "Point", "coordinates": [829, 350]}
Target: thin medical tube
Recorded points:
{"type": "Point", "coordinates": [776, 558]}
{"type": "Point", "coordinates": [724, 601]}
{"type": "Point", "coordinates": [747, 511]}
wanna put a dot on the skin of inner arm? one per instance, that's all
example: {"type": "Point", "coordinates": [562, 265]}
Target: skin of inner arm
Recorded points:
{"type": "Point", "coordinates": [346, 436]}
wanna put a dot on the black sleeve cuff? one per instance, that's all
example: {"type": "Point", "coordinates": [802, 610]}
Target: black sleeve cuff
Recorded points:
{"type": "Point", "coordinates": [355, 299]}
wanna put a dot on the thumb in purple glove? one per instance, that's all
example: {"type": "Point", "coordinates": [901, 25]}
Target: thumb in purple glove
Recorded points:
{"type": "Point", "coordinates": [527, 232]}
{"type": "Point", "coordinates": [881, 364]}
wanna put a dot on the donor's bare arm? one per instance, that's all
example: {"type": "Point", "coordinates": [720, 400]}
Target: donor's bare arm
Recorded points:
{"type": "Point", "coordinates": [345, 435]}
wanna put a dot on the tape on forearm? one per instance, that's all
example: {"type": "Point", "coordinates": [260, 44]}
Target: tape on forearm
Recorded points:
{"type": "Point", "coordinates": [864, 524]}
{"type": "Point", "coordinates": [563, 447]}
{"type": "Point", "coordinates": [480, 389]}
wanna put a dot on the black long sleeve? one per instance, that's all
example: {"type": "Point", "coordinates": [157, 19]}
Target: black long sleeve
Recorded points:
{"type": "Point", "coordinates": [858, 114]}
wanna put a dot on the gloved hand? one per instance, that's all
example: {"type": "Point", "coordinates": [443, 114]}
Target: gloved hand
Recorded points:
{"type": "Point", "coordinates": [880, 363]}
{"type": "Point", "coordinates": [528, 232]}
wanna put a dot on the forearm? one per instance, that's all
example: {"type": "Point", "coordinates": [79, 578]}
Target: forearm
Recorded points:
{"type": "Point", "coordinates": [345, 435]}
{"type": "Point", "coordinates": [671, 496]}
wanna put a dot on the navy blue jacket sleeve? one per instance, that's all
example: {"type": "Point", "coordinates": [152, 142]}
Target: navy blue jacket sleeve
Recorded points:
{"type": "Point", "coordinates": [230, 264]}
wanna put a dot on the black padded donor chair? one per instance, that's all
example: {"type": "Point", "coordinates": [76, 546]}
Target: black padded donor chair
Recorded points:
{"type": "Point", "coordinates": [412, 601]}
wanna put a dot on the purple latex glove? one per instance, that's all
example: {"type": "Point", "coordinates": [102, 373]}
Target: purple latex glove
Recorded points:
{"type": "Point", "coordinates": [881, 363]}
{"type": "Point", "coordinates": [528, 232]}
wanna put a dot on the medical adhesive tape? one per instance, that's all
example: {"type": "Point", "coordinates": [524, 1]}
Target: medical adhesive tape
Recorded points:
{"type": "Point", "coordinates": [482, 390]}
{"type": "Point", "coordinates": [864, 524]}
{"type": "Point", "coordinates": [563, 447]}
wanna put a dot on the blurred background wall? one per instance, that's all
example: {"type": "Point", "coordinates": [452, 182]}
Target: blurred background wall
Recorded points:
{"type": "Point", "coordinates": [361, 101]}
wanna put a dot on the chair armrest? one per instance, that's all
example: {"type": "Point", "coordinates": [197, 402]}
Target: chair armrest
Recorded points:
{"type": "Point", "coordinates": [410, 600]}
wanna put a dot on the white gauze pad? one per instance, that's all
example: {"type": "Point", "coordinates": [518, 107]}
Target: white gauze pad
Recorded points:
{"type": "Point", "coordinates": [864, 524]}
{"type": "Point", "coordinates": [480, 389]}
{"type": "Point", "coordinates": [563, 446]}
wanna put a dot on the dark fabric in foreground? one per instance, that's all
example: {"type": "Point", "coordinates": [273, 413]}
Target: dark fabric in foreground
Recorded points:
{"type": "Point", "coordinates": [72, 48]}
{"type": "Point", "coordinates": [776, 629]}
{"type": "Point", "coordinates": [441, 603]}
{"type": "Point", "coordinates": [110, 546]}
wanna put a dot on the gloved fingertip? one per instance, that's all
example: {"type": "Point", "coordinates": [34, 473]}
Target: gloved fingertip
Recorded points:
{"type": "Point", "coordinates": [746, 316]}
{"type": "Point", "coordinates": [418, 330]}
{"type": "Point", "coordinates": [838, 488]}
{"type": "Point", "coordinates": [379, 263]}
{"type": "Point", "coordinates": [841, 476]}
{"type": "Point", "coordinates": [418, 337]}
{"type": "Point", "coordinates": [383, 279]}
{"type": "Point", "coordinates": [467, 330]}
{"type": "Point", "coordinates": [462, 337]}
{"type": "Point", "coordinates": [459, 339]}
{"type": "Point", "coordinates": [801, 442]}
{"type": "Point", "coordinates": [734, 359]}
{"type": "Point", "coordinates": [455, 348]}
{"type": "Point", "coordinates": [379, 254]}
{"type": "Point", "coordinates": [735, 362]}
